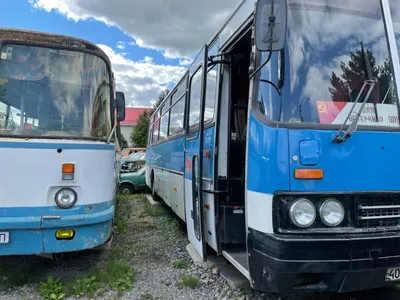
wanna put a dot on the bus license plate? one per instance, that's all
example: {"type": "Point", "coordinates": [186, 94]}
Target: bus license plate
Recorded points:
{"type": "Point", "coordinates": [4, 237]}
{"type": "Point", "coordinates": [393, 274]}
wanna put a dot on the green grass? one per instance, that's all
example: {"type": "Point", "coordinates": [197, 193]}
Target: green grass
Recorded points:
{"type": "Point", "coordinates": [170, 226]}
{"type": "Point", "coordinates": [52, 289]}
{"type": "Point", "coordinates": [182, 263]}
{"type": "Point", "coordinates": [149, 296]}
{"type": "Point", "coordinates": [188, 281]}
{"type": "Point", "coordinates": [86, 286]}
{"type": "Point", "coordinates": [151, 210]}
{"type": "Point", "coordinates": [122, 214]}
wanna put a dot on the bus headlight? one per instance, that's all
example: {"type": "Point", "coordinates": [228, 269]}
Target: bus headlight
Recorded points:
{"type": "Point", "coordinates": [66, 198]}
{"type": "Point", "coordinates": [332, 212]}
{"type": "Point", "coordinates": [302, 213]}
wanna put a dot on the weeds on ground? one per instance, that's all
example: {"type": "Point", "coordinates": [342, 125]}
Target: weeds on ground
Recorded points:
{"type": "Point", "coordinates": [149, 296]}
{"type": "Point", "coordinates": [52, 289]}
{"type": "Point", "coordinates": [122, 214]}
{"type": "Point", "coordinates": [170, 226]}
{"type": "Point", "coordinates": [86, 286]}
{"type": "Point", "coordinates": [182, 263]}
{"type": "Point", "coordinates": [188, 281]}
{"type": "Point", "coordinates": [151, 210]}
{"type": "Point", "coordinates": [118, 275]}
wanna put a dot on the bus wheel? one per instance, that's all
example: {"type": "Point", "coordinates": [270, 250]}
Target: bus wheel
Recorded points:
{"type": "Point", "coordinates": [126, 189]}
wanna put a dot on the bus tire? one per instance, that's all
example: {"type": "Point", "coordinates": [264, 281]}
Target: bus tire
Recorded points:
{"type": "Point", "coordinates": [126, 189]}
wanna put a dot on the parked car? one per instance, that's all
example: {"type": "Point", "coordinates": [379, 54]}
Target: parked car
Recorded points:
{"type": "Point", "coordinates": [133, 162]}
{"type": "Point", "coordinates": [132, 182]}
{"type": "Point", "coordinates": [128, 151]}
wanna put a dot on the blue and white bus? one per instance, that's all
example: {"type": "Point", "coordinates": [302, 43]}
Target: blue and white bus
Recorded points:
{"type": "Point", "coordinates": [279, 145]}
{"type": "Point", "coordinates": [59, 114]}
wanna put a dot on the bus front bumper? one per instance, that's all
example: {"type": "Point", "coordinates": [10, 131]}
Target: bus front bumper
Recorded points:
{"type": "Point", "coordinates": [37, 235]}
{"type": "Point", "coordinates": [281, 263]}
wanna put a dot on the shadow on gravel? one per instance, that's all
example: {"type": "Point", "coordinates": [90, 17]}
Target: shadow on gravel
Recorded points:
{"type": "Point", "coordinates": [20, 270]}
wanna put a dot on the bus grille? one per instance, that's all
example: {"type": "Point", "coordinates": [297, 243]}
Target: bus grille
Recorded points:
{"type": "Point", "coordinates": [378, 211]}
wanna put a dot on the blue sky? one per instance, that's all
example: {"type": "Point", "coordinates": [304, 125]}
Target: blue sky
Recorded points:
{"type": "Point", "coordinates": [21, 14]}
{"type": "Point", "coordinates": [157, 41]}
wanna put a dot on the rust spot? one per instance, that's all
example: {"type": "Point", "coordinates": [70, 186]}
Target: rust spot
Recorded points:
{"type": "Point", "coordinates": [88, 208]}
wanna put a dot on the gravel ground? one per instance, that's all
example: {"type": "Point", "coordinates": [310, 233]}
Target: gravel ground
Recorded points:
{"type": "Point", "coordinates": [152, 241]}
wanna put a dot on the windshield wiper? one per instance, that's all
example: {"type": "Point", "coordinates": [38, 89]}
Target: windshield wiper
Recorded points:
{"type": "Point", "coordinates": [341, 136]}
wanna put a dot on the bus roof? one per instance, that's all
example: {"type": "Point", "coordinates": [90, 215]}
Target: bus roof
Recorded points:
{"type": "Point", "coordinates": [243, 12]}
{"type": "Point", "coordinates": [51, 39]}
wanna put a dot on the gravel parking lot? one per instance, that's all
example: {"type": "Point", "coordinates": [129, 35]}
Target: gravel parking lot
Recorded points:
{"type": "Point", "coordinates": [148, 261]}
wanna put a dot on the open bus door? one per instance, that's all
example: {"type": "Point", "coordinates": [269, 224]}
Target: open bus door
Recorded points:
{"type": "Point", "coordinates": [194, 153]}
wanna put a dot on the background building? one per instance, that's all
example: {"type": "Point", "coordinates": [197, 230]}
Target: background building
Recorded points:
{"type": "Point", "coordinates": [131, 116]}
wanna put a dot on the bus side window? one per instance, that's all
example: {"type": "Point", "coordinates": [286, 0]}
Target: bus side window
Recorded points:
{"type": "Point", "coordinates": [194, 101]}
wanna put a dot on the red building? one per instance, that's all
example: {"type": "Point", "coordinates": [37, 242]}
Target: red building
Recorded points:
{"type": "Point", "coordinates": [131, 116]}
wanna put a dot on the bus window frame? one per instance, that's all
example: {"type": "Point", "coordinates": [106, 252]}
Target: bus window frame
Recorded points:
{"type": "Point", "coordinates": [162, 115]}
{"type": "Point", "coordinates": [79, 50]}
{"type": "Point", "coordinates": [194, 129]}
{"type": "Point", "coordinates": [169, 136]}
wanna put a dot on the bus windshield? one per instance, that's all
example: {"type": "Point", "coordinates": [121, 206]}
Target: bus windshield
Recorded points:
{"type": "Point", "coordinates": [53, 92]}
{"type": "Point", "coordinates": [333, 47]}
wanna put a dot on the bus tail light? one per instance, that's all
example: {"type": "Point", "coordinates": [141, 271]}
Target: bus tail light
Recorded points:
{"type": "Point", "coordinates": [68, 172]}
{"type": "Point", "coordinates": [309, 174]}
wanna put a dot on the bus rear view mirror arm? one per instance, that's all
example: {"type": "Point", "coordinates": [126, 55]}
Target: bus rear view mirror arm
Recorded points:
{"type": "Point", "coordinates": [270, 25]}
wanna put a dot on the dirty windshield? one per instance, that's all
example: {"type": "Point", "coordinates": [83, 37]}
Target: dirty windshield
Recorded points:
{"type": "Point", "coordinates": [332, 48]}
{"type": "Point", "coordinates": [53, 92]}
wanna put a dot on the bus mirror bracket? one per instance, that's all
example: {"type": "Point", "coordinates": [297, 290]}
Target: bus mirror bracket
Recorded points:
{"type": "Point", "coordinates": [120, 106]}
{"type": "Point", "coordinates": [270, 25]}
{"type": "Point", "coordinates": [213, 62]}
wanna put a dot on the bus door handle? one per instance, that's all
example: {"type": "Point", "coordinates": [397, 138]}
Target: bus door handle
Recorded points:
{"type": "Point", "coordinates": [214, 192]}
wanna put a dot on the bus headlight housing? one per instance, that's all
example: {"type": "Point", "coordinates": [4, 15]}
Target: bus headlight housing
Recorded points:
{"type": "Point", "coordinates": [331, 212]}
{"type": "Point", "coordinates": [66, 198]}
{"type": "Point", "coordinates": [302, 213]}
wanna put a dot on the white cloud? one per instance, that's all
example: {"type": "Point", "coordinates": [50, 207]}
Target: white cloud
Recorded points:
{"type": "Point", "coordinates": [177, 27]}
{"type": "Point", "coordinates": [141, 81]}
{"type": "Point", "coordinates": [148, 60]}
{"type": "Point", "coordinates": [185, 62]}
{"type": "Point", "coordinates": [121, 45]}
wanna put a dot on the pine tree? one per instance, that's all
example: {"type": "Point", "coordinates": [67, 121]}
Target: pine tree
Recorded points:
{"type": "Point", "coordinates": [139, 134]}
{"type": "Point", "coordinates": [347, 86]}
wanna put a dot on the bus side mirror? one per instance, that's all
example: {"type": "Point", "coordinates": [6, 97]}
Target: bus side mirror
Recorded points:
{"type": "Point", "coordinates": [270, 25]}
{"type": "Point", "coordinates": [121, 106]}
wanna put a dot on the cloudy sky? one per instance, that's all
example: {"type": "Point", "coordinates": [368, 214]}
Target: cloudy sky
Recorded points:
{"type": "Point", "coordinates": [150, 42]}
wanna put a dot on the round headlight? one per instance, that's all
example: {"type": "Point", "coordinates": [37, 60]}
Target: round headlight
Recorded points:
{"type": "Point", "coordinates": [302, 213]}
{"type": "Point", "coordinates": [66, 198]}
{"type": "Point", "coordinates": [332, 212]}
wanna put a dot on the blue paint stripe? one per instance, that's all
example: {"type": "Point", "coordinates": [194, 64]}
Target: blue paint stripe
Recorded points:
{"type": "Point", "coordinates": [79, 220]}
{"type": "Point", "coordinates": [46, 145]}
{"type": "Point", "coordinates": [31, 217]}
{"type": "Point", "coordinates": [20, 223]}
{"type": "Point", "coordinates": [9, 212]}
